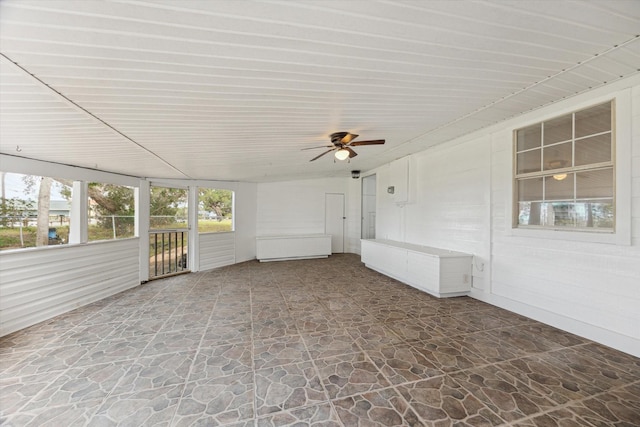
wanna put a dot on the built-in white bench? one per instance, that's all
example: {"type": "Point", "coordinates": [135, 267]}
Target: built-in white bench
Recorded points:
{"type": "Point", "coordinates": [296, 246]}
{"type": "Point", "coordinates": [437, 271]}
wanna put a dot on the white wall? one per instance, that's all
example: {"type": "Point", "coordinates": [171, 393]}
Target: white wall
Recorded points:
{"type": "Point", "coordinates": [41, 283]}
{"type": "Point", "coordinates": [448, 201]}
{"type": "Point", "coordinates": [245, 221]}
{"type": "Point", "coordinates": [581, 282]}
{"type": "Point", "coordinates": [216, 250]}
{"type": "Point", "coordinates": [635, 167]}
{"type": "Point", "coordinates": [297, 207]}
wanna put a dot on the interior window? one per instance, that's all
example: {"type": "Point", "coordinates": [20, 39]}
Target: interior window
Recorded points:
{"type": "Point", "coordinates": [564, 171]}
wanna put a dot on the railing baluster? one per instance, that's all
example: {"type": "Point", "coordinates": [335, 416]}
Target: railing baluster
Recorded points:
{"type": "Point", "coordinates": [167, 245]}
{"type": "Point", "coordinates": [182, 257]}
{"type": "Point", "coordinates": [175, 249]}
{"type": "Point", "coordinates": [163, 253]}
{"type": "Point", "coordinates": [155, 255]}
{"type": "Point", "coordinates": [171, 251]}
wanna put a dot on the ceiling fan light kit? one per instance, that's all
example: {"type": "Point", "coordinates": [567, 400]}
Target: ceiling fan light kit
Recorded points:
{"type": "Point", "coordinates": [342, 154]}
{"type": "Point", "coordinates": [342, 143]}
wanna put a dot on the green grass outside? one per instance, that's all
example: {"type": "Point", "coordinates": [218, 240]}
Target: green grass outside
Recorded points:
{"type": "Point", "coordinates": [10, 237]}
{"type": "Point", "coordinates": [211, 225]}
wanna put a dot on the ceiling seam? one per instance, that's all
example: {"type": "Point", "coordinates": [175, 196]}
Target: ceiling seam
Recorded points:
{"type": "Point", "coordinates": [93, 116]}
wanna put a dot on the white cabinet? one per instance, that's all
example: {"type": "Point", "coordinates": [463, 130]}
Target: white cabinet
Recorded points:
{"type": "Point", "coordinates": [437, 271]}
{"type": "Point", "coordinates": [297, 246]}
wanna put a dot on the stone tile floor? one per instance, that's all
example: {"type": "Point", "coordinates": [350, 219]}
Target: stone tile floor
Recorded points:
{"type": "Point", "coordinates": [315, 342]}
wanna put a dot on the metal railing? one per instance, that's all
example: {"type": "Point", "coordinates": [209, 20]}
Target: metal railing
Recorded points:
{"type": "Point", "coordinates": [168, 252]}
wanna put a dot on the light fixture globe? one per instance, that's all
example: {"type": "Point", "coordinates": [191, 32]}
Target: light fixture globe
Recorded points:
{"type": "Point", "coordinates": [342, 154]}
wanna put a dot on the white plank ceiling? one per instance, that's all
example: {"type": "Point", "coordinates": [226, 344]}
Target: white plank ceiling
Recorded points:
{"type": "Point", "coordinates": [234, 90]}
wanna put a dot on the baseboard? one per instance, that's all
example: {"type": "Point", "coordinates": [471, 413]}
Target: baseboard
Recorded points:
{"type": "Point", "coordinates": [603, 336]}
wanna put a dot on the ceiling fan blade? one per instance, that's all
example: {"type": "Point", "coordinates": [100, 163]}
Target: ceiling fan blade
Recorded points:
{"type": "Point", "coordinates": [317, 157]}
{"type": "Point", "coordinates": [371, 142]}
{"type": "Point", "coordinates": [348, 138]}
{"type": "Point", "coordinates": [351, 152]}
{"type": "Point", "coordinates": [313, 148]}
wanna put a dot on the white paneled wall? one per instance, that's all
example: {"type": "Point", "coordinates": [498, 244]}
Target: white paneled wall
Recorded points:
{"type": "Point", "coordinates": [635, 166]}
{"type": "Point", "coordinates": [216, 250]}
{"type": "Point", "coordinates": [587, 287]}
{"type": "Point", "coordinates": [245, 221]}
{"type": "Point", "coordinates": [580, 282]}
{"type": "Point", "coordinates": [41, 283]}
{"type": "Point", "coordinates": [389, 217]}
{"type": "Point", "coordinates": [295, 207]}
{"type": "Point", "coordinates": [450, 210]}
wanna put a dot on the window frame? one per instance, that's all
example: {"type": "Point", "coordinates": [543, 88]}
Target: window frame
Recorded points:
{"type": "Point", "coordinates": [543, 172]}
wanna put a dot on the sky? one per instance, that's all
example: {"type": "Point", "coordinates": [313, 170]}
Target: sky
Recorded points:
{"type": "Point", "coordinates": [14, 186]}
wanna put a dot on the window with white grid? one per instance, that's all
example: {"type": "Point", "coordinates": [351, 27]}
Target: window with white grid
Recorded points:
{"type": "Point", "coordinates": [564, 172]}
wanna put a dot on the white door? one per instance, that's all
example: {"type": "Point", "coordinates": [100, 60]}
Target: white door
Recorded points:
{"type": "Point", "coordinates": [334, 220]}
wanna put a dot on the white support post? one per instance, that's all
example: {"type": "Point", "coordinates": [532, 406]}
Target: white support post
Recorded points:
{"type": "Point", "coordinates": [79, 224]}
{"type": "Point", "coordinates": [194, 238]}
{"type": "Point", "coordinates": [142, 224]}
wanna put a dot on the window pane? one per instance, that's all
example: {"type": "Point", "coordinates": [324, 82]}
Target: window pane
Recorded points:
{"type": "Point", "coordinates": [530, 189]}
{"type": "Point", "coordinates": [34, 211]}
{"type": "Point", "coordinates": [529, 137]}
{"type": "Point", "coordinates": [593, 150]}
{"type": "Point", "coordinates": [529, 161]}
{"type": "Point", "coordinates": [559, 187]}
{"type": "Point", "coordinates": [593, 120]}
{"type": "Point", "coordinates": [536, 213]}
{"type": "Point", "coordinates": [557, 130]}
{"type": "Point", "coordinates": [594, 184]}
{"type": "Point", "coordinates": [557, 156]}
{"type": "Point", "coordinates": [595, 213]}
{"type": "Point", "coordinates": [529, 213]}
{"type": "Point", "coordinates": [111, 211]}
{"type": "Point", "coordinates": [215, 210]}
{"type": "Point", "coordinates": [560, 214]}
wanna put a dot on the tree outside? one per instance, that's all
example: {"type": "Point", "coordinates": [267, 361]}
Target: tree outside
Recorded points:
{"type": "Point", "coordinates": [168, 207]}
{"type": "Point", "coordinates": [112, 210]}
{"type": "Point", "coordinates": [215, 210]}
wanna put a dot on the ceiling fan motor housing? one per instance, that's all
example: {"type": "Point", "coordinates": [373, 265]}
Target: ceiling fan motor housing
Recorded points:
{"type": "Point", "coordinates": [336, 138]}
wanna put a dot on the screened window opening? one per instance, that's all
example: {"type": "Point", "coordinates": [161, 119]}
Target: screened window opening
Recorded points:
{"type": "Point", "coordinates": [215, 210]}
{"type": "Point", "coordinates": [34, 211]}
{"type": "Point", "coordinates": [111, 211]}
{"type": "Point", "coordinates": [168, 208]}
{"type": "Point", "coordinates": [564, 171]}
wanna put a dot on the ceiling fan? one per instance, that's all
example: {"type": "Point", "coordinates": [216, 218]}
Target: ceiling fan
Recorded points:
{"type": "Point", "coordinates": [342, 143]}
